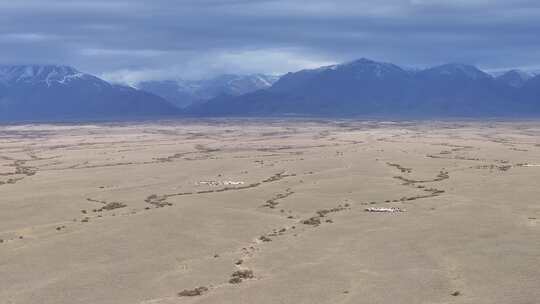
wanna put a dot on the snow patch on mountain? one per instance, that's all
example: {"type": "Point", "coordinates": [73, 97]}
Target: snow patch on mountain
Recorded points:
{"type": "Point", "coordinates": [35, 74]}
{"type": "Point", "coordinates": [185, 92]}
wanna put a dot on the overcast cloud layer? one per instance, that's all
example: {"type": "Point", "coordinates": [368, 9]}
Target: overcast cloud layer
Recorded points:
{"type": "Point", "coordinates": [132, 40]}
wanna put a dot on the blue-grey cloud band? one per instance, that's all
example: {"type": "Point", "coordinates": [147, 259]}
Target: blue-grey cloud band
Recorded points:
{"type": "Point", "coordinates": [132, 40]}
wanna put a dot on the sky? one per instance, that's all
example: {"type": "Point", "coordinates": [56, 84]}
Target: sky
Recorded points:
{"type": "Point", "coordinates": [134, 40]}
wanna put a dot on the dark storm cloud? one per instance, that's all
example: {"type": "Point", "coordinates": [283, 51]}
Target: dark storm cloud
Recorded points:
{"type": "Point", "coordinates": [132, 40]}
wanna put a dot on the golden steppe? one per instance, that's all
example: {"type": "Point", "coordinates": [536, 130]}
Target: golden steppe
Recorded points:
{"type": "Point", "coordinates": [271, 211]}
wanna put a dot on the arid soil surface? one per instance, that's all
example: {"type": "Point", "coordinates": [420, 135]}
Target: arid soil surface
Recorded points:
{"type": "Point", "coordinates": [244, 211]}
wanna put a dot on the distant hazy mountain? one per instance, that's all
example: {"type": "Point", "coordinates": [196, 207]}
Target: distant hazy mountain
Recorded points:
{"type": "Point", "coordinates": [515, 78]}
{"type": "Point", "coordinates": [49, 92]}
{"type": "Point", "coordinates": [184, 92]}
{"type": "Point", "coordinates": [366, 87]}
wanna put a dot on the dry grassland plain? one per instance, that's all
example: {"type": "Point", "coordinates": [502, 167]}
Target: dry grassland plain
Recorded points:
{"type": "Point", "coordinates": [244, 211]}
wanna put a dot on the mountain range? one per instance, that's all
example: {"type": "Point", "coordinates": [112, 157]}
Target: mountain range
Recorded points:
{"type": "Point", "coordinates": [359, 88]}
{"type": "Point", "coordinates": [366, 87]}
{"type": "Point", "coordinates": [183, 93]}
{"type": "Point", "coordinates": [52, 92]}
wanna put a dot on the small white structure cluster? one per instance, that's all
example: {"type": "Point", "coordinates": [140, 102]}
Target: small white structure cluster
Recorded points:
{"type": "Point", "coordinates": [219, 183]}
{"type": "Point", "coordinates": [391, 210]}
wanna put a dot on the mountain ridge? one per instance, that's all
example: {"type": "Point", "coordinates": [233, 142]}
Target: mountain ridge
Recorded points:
{"type": "Point", "coordinates": [183, 93]}
{"type": "Point", "coordinates": [361, 87]}
{"type": "Point", "coordinates": [55, 92]}
{"type": "Point", "coordinates": [367, 87]}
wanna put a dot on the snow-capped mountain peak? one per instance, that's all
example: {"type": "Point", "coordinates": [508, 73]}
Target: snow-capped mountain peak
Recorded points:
{"type": "Point", "coordinates": [363, 66]}
{"type": "Point", "coordinates": [44, 92]}
{"type": "Point", "coordinates": [35, 74]}
{"type": "Point", "coordinates": [379, 69]}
